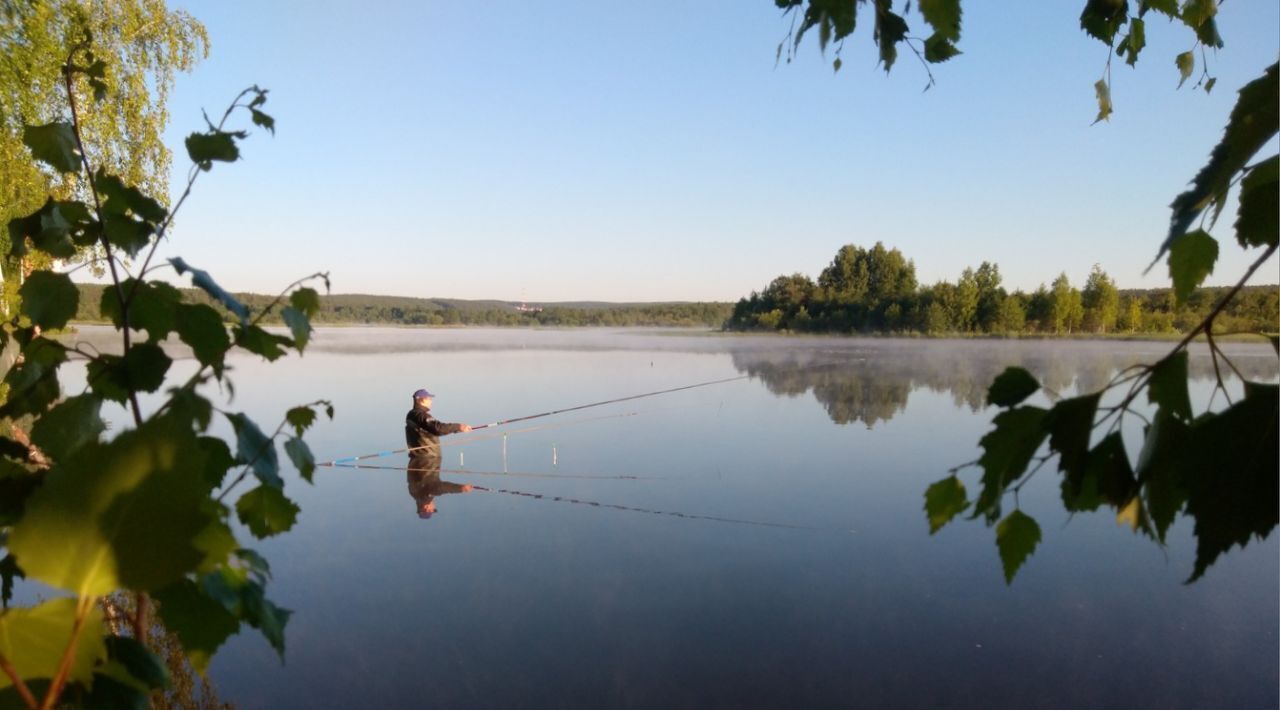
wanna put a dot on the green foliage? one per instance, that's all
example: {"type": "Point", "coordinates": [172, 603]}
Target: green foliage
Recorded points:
{"type": "Point", "coordinates": [1258, 223]}
{"type": "Point", "coordinates": [1011, 387]}
{"type": "Point", "coordinates": [835, 20]}
{"type": "Point", "coordinates": [34, 640]}
{"type": "Point", "coordinates": [204, 148]}
{"type": "Point", "coordinates": [71, 424]}
{"type": "Point", "coordinates": [300, 454]}
{"type": "Point", "coordinates": [49, 299]}
{"type": "Point", "coordinates": [1102, 91]}
{"type": "Point", "coordinates": [103, 486]}
{"type": "Point", "coordinates": [202, 280]}
{"type": "Point", "coordinates": [1230, 474]}
{"type": "Point", "coordinates": [256, 450]}
{"type": "Point", "coordinates": [200, 317]}
{"type": "Point", "coordinates": [1220, 468]}
{"type": "Point", "coordinates": [1253, 123]}
{"type": "Point", "coordinates": [200, 327]}
{"type": "Point", "coordinates": [121, 84]}
{"type": "Point", "coordinates": [874, 290]}
{"type": "Point", "coordinates": [200, 622]}
{"type": "Point", "coordinates": [1016, 537]}
{"type": "Point", "coordinates": [138, 661]}
{"type": "Point", "coordinates": [1167, 388]}
{"type": "Point", "coordinates": [1101, 302]}
{"type": "Point", "coordinates": [1007, 450]}
{"type": "Point", "coordinates": [134, 514]}
{"type": "Point", "coordinates": [943, 501]}
{"type": "Point", "coordinates": [54, 144]}
{"type": "Point", "coordinates": [266, 511]}
{"type": "Point", "coordinates": [1191, 260]}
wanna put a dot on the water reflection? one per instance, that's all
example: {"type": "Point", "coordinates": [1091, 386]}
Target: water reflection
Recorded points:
{"type": "Point", "coordinates": [425, 484]}
{"type": "Point", "coordinates": [872, 385]}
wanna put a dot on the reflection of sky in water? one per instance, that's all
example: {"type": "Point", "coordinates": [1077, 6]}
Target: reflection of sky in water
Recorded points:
{"type": "Point", "coordinates": [505, 600]}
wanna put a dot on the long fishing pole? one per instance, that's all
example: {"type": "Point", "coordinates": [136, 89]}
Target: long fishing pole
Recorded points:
{"type": "Point", "coordinates": [609, 401]}
{"type": "Point", "coordinates": [465, 440]}
{"type": "Point", "coordinates": [350, 459]}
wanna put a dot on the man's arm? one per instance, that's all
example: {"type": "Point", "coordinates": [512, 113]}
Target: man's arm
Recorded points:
{"type": "Point", "coordinates": [434, 426]}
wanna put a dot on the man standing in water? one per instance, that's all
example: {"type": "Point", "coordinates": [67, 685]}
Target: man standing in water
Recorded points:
{"type": "Point", "coordinates": [422, 434]}
{"type": "Point", "coordinates": [422, 431]}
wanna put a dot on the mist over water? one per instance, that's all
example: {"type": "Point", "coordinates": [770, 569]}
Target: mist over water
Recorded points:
{"type": "Point", "coordinates": [575, 582]}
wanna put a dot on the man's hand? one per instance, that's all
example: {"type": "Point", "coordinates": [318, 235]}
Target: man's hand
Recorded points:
{"type": "Point", "coordinates": [466, 488]}
{"type": "Point", "coordinates": [465, 428]}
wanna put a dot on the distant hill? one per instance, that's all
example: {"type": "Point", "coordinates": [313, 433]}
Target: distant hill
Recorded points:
{"type": "Point", "coordinates": [367, 309]}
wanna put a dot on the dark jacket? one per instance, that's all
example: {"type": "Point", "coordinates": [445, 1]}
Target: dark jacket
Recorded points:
{"type": "Point", "coordinates": [423, 431]}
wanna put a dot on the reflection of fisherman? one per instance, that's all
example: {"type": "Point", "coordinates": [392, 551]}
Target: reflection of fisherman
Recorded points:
{"type": "Point", "coordinates": [422, 433]}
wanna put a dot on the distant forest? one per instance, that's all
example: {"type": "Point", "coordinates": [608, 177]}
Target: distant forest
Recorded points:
{"type": "Point", "coordinates": [875, 291]}
{"type": "Point", "coordinates": [348, 309]}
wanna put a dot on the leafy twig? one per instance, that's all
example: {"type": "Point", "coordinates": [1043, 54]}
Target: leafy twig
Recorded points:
{"type": "Point", "coordinates": [278, 299]}
{"type": "Point", "coordinates": [22, 688]}
{"type": "Point", "coordinates": [923, 62]}
{"type": "Point", "coordinates": [192, 174]}
{"type": "Point", "coordinates": [67, 74]}
{"type": "Point", "coordinates": [83, 605]}
{"type": "Point", "coordinates": [1202, 327]}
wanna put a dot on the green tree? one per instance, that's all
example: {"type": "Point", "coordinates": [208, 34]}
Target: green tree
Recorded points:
{"type": "Point", "coordinates": [1219, 468]}
{"type": "Point", "coordinates": [860, 284]}
{"type": "Point", "coordinates": [1062, 304]}
{"type": "Point", "coordinates": [1101, 300]}
{"type": "Point", "coordinates": [846, 278]}
{"type": "Point", "coordinates": [138, 45]}
{"type": "Point", "coordinates": [1011, 316]}
{"type": "Point", "coordinates": [788, 294]}
{"type": "Point", "coordinates": [1130, 320]}
{"type": "Point", "coordinates": [962, 303]}
{"type": "Point", "coordinates": [144, 511]}
{"type": "Point", "coordinates": [1040, 309]}
{"type": "Point", "coordinates": [990, 297]}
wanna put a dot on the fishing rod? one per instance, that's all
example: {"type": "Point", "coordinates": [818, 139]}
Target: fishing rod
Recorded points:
{"type": "Point", "coordinates": [351, 459]}
{"type": "Point", "coordinates": [609, 401]}
{"type": "Point", "coordinates": [468, 440]}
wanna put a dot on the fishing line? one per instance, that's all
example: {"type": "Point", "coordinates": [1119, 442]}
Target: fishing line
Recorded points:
{"type": "Point", "coordinates": [689, 516]}
{"type": "Point", "coordinates": [610, 401]}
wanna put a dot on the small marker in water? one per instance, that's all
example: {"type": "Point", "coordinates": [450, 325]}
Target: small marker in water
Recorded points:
{"type": "Point", "coordinates": [461, 460]}
{"type": "Point", "coordinates": [553, 454]}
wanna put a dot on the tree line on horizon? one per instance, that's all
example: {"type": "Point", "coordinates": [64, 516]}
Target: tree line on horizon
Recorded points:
{"type": "Point", "coordinates": [358, 309]}
{"type": "Point", "coordinates": [876, 291]}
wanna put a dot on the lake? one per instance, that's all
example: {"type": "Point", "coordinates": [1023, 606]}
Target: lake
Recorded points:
{"type": "Point", "coordinates": [756, 542]}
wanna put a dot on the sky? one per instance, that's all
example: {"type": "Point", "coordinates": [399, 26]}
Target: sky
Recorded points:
{"type": "Point", "coordinates": [587, 150]}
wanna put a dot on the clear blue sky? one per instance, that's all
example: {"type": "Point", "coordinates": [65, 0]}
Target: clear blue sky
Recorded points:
{"type": "Point", "coordinates": [652, 151]}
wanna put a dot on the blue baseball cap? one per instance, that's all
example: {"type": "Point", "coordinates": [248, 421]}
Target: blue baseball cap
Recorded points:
{"type": "Point", "coordinates": [420, 394]}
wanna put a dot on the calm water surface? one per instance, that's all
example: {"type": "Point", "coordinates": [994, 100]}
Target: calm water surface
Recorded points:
{"type": "Point", "coordinates": [503, 599]}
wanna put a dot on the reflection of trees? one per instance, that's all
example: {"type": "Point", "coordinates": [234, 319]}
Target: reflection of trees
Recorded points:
{"type": "Point", "coordinates": [188, 689]}
{"type": "Point", "coordinates": [871, 381]}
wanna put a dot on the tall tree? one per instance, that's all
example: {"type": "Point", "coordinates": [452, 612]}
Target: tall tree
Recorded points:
{"type": "Point", "coordinates": [845, 280]}
{"type": "Point", "coordinates": [1101, 301]}
{"type": "Point", "coordinates": [137, 46]}
{"type": "Point", "coordinates": [1060, 304]}
{"type": "Point", "coordinates": [990, 296]}
{"type": "Point", "coordinates": [963, 305]}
